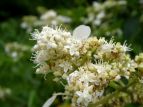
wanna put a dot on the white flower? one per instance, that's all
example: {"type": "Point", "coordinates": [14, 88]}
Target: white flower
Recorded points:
{"type": "Point", "coordinates": [44, 68]}
{"type": "Point", "coordinates": [73, 49]}
{"type": "Point", "coordinates": [100, 15]}
{"type": "Point", "coordinates": [14, 54]}
{"type": "Point", "coordinates": [41, 56]}
{"type": "Point", "coordinates": [71, 76]}
{"type": "Point", "coordinates": [98, 18]}
{"type": "Point", "coordinates": [87, 77]}
{"type": "Point", "coordinates": [117, 77]}
{"type": "Point", "coordinates": [122, 2]}
{"type": "Point", "coordinates": [84, 97]}
{"type": "Point", "coordinates": [48, 14]}
{"type": "Point", "coordinates": [99, 93]}
{"type": "Point", "coordinates": [97, 6]}
{"type": "Point", "coordinates": [64, 19]}
{"type": "Point", "coordinates": [24, 25]}
{"type": "Point", "coordinates": [107, 47]}
{"type": "Point", "coordinates": [100, 68]}
{"type": "Point", "coordinates": [51, 45]}
{"type": "Point", "coordinates": [97, 22]}
{"type": "Point", "coordinates": [125, 47]}
{"type": "Point", "coordinates": [66, 66]}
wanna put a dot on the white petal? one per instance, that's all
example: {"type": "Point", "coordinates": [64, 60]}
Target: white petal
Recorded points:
{"type": "Point", "coordinates": [81, 32]}
{"type": "Point", "coordinates": [49, 101]}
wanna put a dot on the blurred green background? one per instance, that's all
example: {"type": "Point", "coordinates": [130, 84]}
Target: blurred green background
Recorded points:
{"type": "Point", "coordinates": [17, 72]}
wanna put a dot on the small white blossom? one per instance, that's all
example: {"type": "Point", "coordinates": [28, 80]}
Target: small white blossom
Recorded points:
{"type": "Point", "coordinates": [100, 15]}
{"type": "Point", "coordinates": [84, 97]}
{"type": "Point", "coordinates": [72, 76]}
{"type": "Point", "coordinates": [66, 66]}
{"type": "Point", "coordinates": [48, 14]}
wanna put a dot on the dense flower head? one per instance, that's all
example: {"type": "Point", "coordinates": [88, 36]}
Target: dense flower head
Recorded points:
{"type": "Point", "coordinates": [87, 64]}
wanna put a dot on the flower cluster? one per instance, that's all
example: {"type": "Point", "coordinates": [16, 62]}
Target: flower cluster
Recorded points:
{"type": "Point", "coordinates": [87, 64]}
{"type": "Point", "coordinates": [101, 15]}
{"type": "Point", "coordinates": [16, 50]}
{"type": "Point", "coordinates": [49, 17]}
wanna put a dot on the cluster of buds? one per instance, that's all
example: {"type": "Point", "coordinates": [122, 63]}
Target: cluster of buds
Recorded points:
{"type": "Point", "coordinates": [88, 64]}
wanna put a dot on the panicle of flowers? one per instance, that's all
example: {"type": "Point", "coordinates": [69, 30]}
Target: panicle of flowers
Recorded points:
{"type": "Point", "coordinates": [87, 64]}
{"type": "Point", "coordinates": [55, 49]}
{"type": "Point", "coordinates": [100, 16]}
{"type": "Point", "coordinates": [98, 10]}
{"type": "Point", "coordinates": [29, 22]}
{"type": "Point", "coordinates": [49, 17]}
